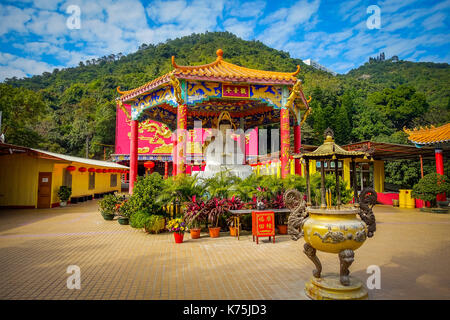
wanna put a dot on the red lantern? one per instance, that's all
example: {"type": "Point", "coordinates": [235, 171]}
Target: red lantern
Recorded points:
{"type": "Point", "coordinates": [91, 169]}
{"type": "Point", "coordinates": [104, 170]}
{"type": "Point", "coordinates": [149, 164]}
{"type": "Point", "coordinates": [71, 168]}
{"type": "Point", "coordinates": [98, 170]}
{"type": "Point", "coordinates": [253, 164]}
{"type": "Point", "coordinates": [82, 169]}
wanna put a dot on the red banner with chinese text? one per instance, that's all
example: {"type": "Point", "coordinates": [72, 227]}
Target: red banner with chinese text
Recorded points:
{"type": "Point", "coordinates": [235, 91]}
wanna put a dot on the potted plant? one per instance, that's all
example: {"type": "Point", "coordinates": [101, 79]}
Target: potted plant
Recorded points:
{"type": "Point", "coordinates": [194, 214]}
{"type": "Point", "coordinates": [429, 187]}
{"type": "Point", "coordinates": [216, 208]}
{"type": "Point", "coordinates": [233, 204]}
{"type": "Point", "coordinates": [123, 210]}
{"type": "Point", "coordinates": [177, 226]}
{"type": "Point", "coordinates": [107, 206]}
{"type": "Point", "coordinates": [64, 194]}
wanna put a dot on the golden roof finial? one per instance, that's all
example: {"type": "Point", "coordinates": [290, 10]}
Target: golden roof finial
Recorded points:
{"type": "Point", "coordinates": [173, 62]}
{"type": "Point", "coordinates": [219, 53]}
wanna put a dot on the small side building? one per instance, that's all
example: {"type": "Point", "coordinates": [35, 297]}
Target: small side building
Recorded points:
{"type": "Point", "coordinates": [31, 178]}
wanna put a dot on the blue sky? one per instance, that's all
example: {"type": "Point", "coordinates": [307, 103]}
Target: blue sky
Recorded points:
{"type": "Point", "coordinates": [35, 38]}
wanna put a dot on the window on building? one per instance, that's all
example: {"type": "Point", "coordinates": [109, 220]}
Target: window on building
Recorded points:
{"type": "Point", "coordinates": [67, 178]}
{"type": "Point", "coordinates": [91, 180]}
{"type": "Point", "coordinates": [329, 167]}
{"type": "Point", "coordinates": [113, 180]}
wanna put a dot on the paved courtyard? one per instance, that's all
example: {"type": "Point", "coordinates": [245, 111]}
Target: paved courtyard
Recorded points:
{"type": "Point", "coordinates": [118, 262]}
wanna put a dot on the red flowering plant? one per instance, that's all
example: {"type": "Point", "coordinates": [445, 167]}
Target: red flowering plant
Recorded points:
{"type": "Point", "coordinates": [277, 202]}
{"type": "Point", "coordinates": [195, 212]}
{"type": "Point", "coordinates": [216, 207]}
{"type": "Point", "coordinates": [234, 204]}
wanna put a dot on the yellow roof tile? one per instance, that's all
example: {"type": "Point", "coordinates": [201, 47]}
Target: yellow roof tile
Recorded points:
{"type": "Point", "coordinates": [429, 135]}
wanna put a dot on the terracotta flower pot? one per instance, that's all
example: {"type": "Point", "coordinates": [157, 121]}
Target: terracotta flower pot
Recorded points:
{"type": "Point", "coordinates": [233, 231]}
{"type": "Point", "coordinates": [214, 232]}
{"type": "Point", "coordinates": [282, 228]}
{"type": "Point", "coordinates": [195, 233]}
{"type": "Point", "coordinates": [178, 237]}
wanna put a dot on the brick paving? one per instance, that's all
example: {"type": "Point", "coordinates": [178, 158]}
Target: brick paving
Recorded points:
{"type": "Point", "coordinates": [119, 262]}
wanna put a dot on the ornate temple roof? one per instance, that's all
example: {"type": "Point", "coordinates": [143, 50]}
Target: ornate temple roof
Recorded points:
{"type": "Point", "coordinates": [429, 135]}
{"type": "Point", "coordinates": [329, 149]}
{"type": "Point", "coordinates": [218, 71]}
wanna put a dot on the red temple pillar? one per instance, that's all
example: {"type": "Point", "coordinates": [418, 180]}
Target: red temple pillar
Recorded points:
{"type": "Point", "coordinates": [297, 146]}
{"type": "Point", "coordinates": [174, 154]}
{"type": "Point", "coordinates": [285, 142]}
{"type": "Point", "coordinates": [439, 170]}
{"type": "Point", "coordinates": [133, 154]}
{"type": "Point", "coordinates": [181, 137]}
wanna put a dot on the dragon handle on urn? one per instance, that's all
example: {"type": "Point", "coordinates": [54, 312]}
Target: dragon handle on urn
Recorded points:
{"type": "Point", "coordinates": [293, 200]}
{"type": "Point", "coordinates": [367, 199]}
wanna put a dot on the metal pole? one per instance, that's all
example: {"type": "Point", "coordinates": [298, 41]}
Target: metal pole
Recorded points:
{"type": "Point", "coordinates": [421, 166]}
{"type": "Point", "coordinates": [308, 186]}
{"type": "Point", "coordinates": [355, 187]}
{"type": "Point", "coordinates": [322, 185]}
{"type": "Point", "coordinates": [338, 188]}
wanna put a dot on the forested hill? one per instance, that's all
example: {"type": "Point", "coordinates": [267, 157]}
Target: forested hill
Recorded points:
{"type": "Point", "coordinates": [59, 111]}
{"type": "Point", "coordinates": [430, 78]}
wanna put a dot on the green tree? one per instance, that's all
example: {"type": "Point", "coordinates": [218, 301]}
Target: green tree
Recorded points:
{"type": "Point", "coordinates": [22, 110]}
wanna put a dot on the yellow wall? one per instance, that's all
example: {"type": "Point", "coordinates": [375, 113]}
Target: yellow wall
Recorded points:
{"type": "Point", "coordinates": [19, 179]}
{"type": "Point", "coordinates": [80, 181]}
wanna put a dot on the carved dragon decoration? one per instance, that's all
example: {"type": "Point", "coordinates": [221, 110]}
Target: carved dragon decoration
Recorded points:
{"type": "Point", "coordinates": [293, 199]}
{"type": "Point", "coordinates": [296, 92]}
{"type": "Point", "coordinates": [367, 199]}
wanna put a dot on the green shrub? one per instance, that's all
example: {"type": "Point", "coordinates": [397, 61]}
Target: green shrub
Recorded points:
{"type": "Point", "coordinates": [139, 219]}
{"type": "Point", "coordinates": [155, 224]}
{"type": "Point", "coordinates": [107, 205]}
{"type": "Point", "coordinates": [64, 193]}
{"type": "Point", "coordinates": [430, 186]}
{"type": "Point", "coordinates": [145, 192]}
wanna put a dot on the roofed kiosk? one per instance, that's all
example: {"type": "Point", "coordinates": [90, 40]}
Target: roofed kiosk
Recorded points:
{"type": "Point", "coordinates": [439, 137]}
{"type": "Point", "coordinates": [207, 93]}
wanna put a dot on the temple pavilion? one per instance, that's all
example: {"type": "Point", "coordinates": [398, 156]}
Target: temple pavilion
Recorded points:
{"type": "Point", "coordinates": [248, 97]}
{"type": "Point", "coordinates": [439, 138]}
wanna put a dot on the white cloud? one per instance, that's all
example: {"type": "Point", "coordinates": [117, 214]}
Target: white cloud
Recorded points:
{"type": "Point", "coordinates": [13, 19]}
{"type": "Point", "coordinates": [435, 21]}
{"type": "Point", "coordinates": [243, 29]}
{"type": "Point", "coordinates": [251, 9]}
{"type": "Point", "coordinates": [14, 66]}
{"type": "Point", "coordinates": [282, 24]}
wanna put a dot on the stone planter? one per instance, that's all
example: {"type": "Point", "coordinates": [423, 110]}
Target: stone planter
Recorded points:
{"type": "Point", "coordinates": [123, 220]}
{"type": "Point", "coordinates": [108, 216]}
